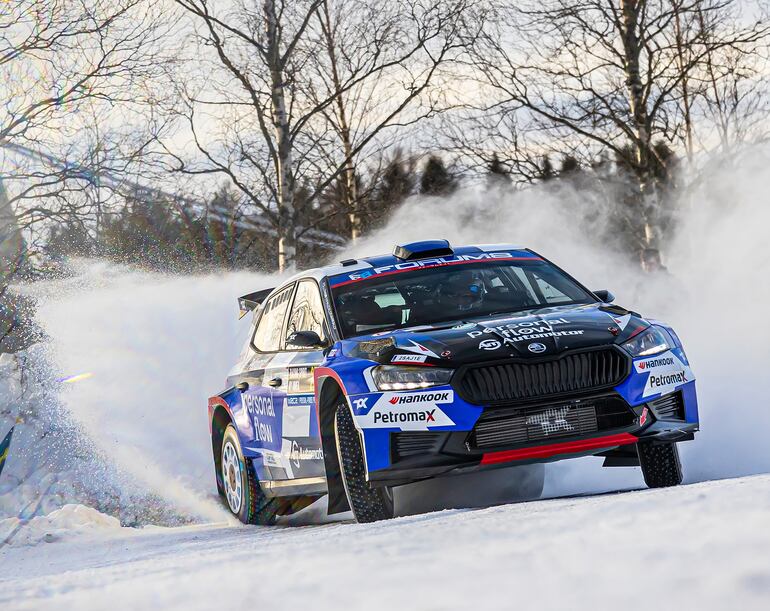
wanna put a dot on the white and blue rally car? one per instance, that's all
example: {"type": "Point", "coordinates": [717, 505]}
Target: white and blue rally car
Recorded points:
{"type": "Point", "coordinates": [434, 361]}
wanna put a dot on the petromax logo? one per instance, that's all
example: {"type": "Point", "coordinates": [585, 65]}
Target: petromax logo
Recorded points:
{"type": "Point", "coordinates": [667, 379]}
{"type": "Point", "coordinates": [429, 415]}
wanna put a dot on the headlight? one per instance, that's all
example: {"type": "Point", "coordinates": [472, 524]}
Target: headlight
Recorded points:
{"type": "Point", "coordinates": [651, 341]}
{"type": "Point", "coordinates": [390, 377]}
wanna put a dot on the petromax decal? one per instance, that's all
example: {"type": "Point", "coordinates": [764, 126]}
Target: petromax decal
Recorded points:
{"type": "Point", "coordinates": [514, 332]}
{"type": "Point", "coordinates": [413, 411]}
{"type": "Point", "coordinates": [666, 373]}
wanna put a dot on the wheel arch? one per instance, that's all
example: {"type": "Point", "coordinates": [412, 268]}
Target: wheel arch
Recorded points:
{"type": "Point", "coordinates": [329, 392]}
{"type": "Point", "coordinates": [219, 419]}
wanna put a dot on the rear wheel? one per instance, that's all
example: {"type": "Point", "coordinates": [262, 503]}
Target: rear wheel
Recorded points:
{"type": "Point", "coordinates": [242, 492]}
{"type": "Point", "coordinates": [660, 464]}
{"type": "Point", "coordinates": [368, 504]}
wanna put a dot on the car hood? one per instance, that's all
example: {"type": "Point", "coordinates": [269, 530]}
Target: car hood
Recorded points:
{"type": "Point", "coordinates": [531, 334]}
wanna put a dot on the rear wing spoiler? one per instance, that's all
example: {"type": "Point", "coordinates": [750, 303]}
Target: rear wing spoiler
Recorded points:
{"type": "Point", "coordinates": [249, 303]}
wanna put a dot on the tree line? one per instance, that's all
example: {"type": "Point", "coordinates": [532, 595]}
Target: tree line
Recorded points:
{"type": "Point", "coordinates": [263, 129]}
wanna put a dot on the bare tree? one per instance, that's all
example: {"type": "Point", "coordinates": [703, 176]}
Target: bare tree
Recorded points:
{"type": "Point", "coordinates": [57, 58]}
{"type": "Point", "coordinates": [604, 74]}
{"type": "Point", "coordinates": [398, 48]}
{"type": "Point", "coordinates": [286, 73]}
{"type": "Point", "coordinates": [732, 87]}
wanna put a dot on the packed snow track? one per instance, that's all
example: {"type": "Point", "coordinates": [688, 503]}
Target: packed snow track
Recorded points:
{"type": "Point", "coordinates": [704, 546]}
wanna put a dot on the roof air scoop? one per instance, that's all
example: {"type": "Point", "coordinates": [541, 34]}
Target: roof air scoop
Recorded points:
{"type": "Point", "coordinates": [423, 250]}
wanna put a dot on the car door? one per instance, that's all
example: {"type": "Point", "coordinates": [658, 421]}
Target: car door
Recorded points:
{"type": "Point", "coordinates": [260, 422]}
{"type": "Point", "coordinates": [301, 440]}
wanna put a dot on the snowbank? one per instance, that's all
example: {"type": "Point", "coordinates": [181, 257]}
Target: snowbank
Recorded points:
{"type": "Point", "coordinates": [65, 523]}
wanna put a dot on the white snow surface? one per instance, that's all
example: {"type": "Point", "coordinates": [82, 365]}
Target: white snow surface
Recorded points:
{"type": "Point", "coordinates": [700, 546]}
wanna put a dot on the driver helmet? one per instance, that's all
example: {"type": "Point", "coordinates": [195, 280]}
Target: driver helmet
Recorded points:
{"type": "Point", "coordinates": [461, 290]}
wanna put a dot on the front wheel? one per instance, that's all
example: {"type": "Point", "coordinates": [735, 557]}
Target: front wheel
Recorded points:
{"type": "Point", "coordinates": [660, 464]}
{"type": "Point", "coordinates": [368, 504]}
{"type": "Point", "coordinates": [242, 492]}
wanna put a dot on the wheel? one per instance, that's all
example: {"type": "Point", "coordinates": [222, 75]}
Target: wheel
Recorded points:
{"type": "Point", "coordinates": [368, 504]}
{"type": "Point", "coordinates": [660, 464]}
{"type": "Point", "coordinates": [242, 492]}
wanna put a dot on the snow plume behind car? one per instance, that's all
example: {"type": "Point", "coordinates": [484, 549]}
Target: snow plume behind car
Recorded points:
{"type": "Point", "coordinates": [715, 293]}
{"type": "Point", "coordinates": [154, 345]}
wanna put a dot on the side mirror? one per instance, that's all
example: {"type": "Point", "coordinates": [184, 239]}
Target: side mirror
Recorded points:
{"type": "Point", "coordinates": [305, 339]}
{"type": "Point", "coordinates": [605, 296]}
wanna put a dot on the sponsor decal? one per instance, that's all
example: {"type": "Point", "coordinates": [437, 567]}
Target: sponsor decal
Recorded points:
{"type": "Point", "coordinates": [262, 412]}
{"type": "Point", "coordinates": [408, 411]}
{"type": "Point", "coordinates": [665, 372]}
{"type": "Point", "coordinates": [523, 331]}
{"type": "Point", "coordinates": [621, 321]}
{"type": "Point", "coordinates": [299, 453]}
{"type": "Point", "coordinates": [489, 344]}
{"type": "Point", "coordinates": [536, 347]}
{"type": "Point", "coordinates": [427, 415]}
{"type": "Point", "coordinates": [417, 348]}
{"type": "Point", "coordinates": [300, 400]}
{"type": "Point", "coordinates": [360, 403]}
{"type": "Point", "coordinates": [444, 396]}
{"type": "Point", "coordinates": [643, 417]}
{"type": "Point", "coordinates": [551, 420]}
{"type": "Point", "coordinates": [667, 379]}
{"type": "Point", "coordinates": [427, 263]}
{"type": "Point", "coordinates": [409, 358]}
{"type": "Point", "coordinates": [446, 354]}
{"type": "Point", "coordinates": [270, 459]}
{"type": "Point", "coordinates": [655, 363]}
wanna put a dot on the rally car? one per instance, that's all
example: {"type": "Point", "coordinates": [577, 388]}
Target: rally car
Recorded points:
{"type": "Point", "coordinates": [434, 361]}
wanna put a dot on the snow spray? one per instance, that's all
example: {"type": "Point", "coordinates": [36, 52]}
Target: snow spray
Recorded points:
{"type": "Point", "coordinates": [151, 348]}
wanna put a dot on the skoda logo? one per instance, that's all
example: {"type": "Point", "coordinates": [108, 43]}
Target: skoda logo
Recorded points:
{"type": "Point", "coordinates": [537, 348]}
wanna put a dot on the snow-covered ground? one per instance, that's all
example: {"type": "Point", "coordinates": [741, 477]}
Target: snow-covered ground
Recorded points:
{"type": "Point", "coordinates": [701, 546]}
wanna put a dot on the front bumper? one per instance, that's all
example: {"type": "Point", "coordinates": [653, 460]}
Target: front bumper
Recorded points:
{"type": "Point", "coordinates": [417, 455]}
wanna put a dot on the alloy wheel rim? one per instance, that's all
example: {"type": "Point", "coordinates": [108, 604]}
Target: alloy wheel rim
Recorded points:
{"type": "Point", "coordinates": [231, 474]}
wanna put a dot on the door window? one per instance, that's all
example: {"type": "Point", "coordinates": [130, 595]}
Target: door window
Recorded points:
{"type": "Point", "coordinates": [267, 337]}
{"type": "Point", "coordinates": [307, 313]}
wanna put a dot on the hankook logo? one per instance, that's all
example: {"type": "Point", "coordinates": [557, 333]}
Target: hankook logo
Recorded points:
{"type": "Point", "coordinates": [661, 362]}
{"type": "Point", "coordinates": [429, 397]}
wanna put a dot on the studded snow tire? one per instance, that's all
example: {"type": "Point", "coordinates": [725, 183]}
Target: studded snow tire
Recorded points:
{"type": "Point", "coordinates": [368, 504]}
{"type": "Point", "coordinates": [660, 464]}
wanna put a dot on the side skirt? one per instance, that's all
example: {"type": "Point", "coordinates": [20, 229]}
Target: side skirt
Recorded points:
{"type": "Point", "coordinates": [294, 487]}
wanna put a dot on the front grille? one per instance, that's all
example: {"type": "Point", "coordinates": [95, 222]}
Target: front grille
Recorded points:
{"type": "Point", "coordinates": [518, 426]}
{"type": "Point", "coordinates": [670, 407]}
{"type": "Point", "coordinates": [521, 380]}
{"type": "Point", "coordinates": [411, 443]}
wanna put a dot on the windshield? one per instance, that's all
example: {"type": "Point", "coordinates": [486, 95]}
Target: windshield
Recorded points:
{"type": "Point", "coordinates": [443, 293]}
